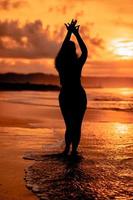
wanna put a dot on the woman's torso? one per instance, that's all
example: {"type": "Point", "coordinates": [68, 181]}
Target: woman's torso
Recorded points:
{"type": "Point", "coordinates": [70, 75]}
{"type": "Point", "coordinates": [72, 93]}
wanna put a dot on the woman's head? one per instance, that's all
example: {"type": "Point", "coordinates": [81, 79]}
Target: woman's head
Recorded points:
{"type": "Point", "coordinates": [67, 55]}
{"type": "Point", "coordinates": [70, 50]}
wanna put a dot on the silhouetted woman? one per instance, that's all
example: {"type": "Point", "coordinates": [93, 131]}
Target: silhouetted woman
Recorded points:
{"type": "Point", "coordinates": [72, 97]}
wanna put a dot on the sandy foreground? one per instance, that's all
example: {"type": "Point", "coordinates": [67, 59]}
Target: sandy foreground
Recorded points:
{"type": "Point", "coordinates": [25, 129]}
{"type": "Point", "coordinates": [13, 145]}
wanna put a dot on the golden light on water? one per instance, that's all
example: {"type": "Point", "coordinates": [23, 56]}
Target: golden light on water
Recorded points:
{"type": "Point", "coordinates": [126, 91]}
{"type": "Point", "coordinates": [121, 128]}
{"type": "Point", "coordinates": [122, 48]}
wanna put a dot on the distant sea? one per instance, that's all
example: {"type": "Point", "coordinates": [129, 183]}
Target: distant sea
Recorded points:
{"type": "Point", "coordinates": [120, 99]}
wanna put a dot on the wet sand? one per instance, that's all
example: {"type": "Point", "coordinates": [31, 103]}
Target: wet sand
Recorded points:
{"type": "Point", "coordinates": [103, 170]}
{"type": "Point", "coordinates": [106, 148]}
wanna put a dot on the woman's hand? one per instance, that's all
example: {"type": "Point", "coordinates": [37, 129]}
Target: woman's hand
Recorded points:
{"type": "Point", "coordinates": [71, 27]}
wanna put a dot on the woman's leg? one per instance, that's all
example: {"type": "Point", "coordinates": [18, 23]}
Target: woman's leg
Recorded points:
{"type": "Point", "coordinates": [76, 135]}
{"type": "Point", "coordinates": [67, 119]}
{"type": "Point", "coordinates": [76, 139]}
{"type": "Point", "coordinates": [77, 128]}
{"type": "Point", "coordinates": [68, 140]}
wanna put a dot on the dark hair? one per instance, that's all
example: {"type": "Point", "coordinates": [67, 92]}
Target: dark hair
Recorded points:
{"type": "Point", "coordinates": [66, 55]}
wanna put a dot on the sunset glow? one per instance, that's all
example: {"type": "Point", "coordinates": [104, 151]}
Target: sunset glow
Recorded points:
{"type": "Point", "coordinates": [124, 48]}
{"type": "Point", "coordinates": [34, 30]}
{"type": "Point", "coordinates": [121, 128]}
{"type": "Point", "coordinates": [126, 91]}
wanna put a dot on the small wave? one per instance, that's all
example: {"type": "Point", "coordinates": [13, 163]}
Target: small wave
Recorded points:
{"type": "Point", "coordinates": [114, 109]}
{"type": "Point", "coordinates": [29, 103]}
{"type": "Point", "coordinates": [92, 107]}
{"type": "Point", "coordinates": [110, 99]}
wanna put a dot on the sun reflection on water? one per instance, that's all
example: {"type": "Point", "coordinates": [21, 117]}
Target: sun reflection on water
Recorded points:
{"type": "Point", "coordinates": [126, 91]}
{"type": "Point", "coordinates": [120, 128]}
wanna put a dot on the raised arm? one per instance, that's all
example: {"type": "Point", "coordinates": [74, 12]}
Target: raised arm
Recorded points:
{"type": "Point", "coordinates": [73, 28]}
{"type": "Point", "coordinates": [58, 60]}
{"type": "Point", "coordinates": [67, 38]}
{"type": "Point", "coordinates": [69, 28]}
{"type": "Point", "coordinates": [83, 47]}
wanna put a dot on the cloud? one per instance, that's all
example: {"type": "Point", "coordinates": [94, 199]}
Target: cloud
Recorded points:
{"type": "Point", "coordinates": [28, 41]}
{"type": "Point", "coordinates": [109, 68]}
{"type": "Point", "coordinates": [86, 31]}
{"type": "Point", "coordinates": [122, 22]}
{"type": "Point", "coordinates": [69, 2]}
{"type": "Point", "coordinates": [94, 42]}
{"type": "Point", "coordinates": [33, 41]}
{"type": "Point", "coordinates": [8, 4]}
{"type": "Point", "coordinates": [79, 14]}
{"type": "Point", "coordinates": [65, 9]}
{"type": "Point", "coordinates": [62, 9]}
{"type": "Point", "coordinates": [25, 66]}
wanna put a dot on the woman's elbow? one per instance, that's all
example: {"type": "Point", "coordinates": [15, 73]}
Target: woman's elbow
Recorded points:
{"type": "Point", "coordinates": [86, 52]}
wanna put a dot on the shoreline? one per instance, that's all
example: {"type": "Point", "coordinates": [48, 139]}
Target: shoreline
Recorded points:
{"type": "Point", "coordinates": [34, 116]}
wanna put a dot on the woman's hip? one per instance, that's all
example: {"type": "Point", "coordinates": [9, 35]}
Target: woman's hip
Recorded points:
{"type": "Point", "coordinates": [73, 99]}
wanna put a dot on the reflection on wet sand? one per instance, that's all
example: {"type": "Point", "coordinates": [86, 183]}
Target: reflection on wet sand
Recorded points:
{"type": "Point", "coordinates": [103, 170]}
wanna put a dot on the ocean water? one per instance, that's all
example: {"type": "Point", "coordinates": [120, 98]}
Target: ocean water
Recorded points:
{"type": "Point", "coordinates": [119, 99]}
{"type": "Point", "coordinates": [106, 171]}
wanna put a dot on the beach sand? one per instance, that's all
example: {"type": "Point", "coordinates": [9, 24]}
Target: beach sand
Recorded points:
{"type": "Point", "coordinates": [106, 147]}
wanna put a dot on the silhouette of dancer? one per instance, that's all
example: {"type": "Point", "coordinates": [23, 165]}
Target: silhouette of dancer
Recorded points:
{"type": "Point", "coordinates": [72, 97]}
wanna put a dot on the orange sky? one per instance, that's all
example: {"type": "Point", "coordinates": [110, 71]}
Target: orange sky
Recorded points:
{"type": "Point", "coordinates": [31, 32]}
